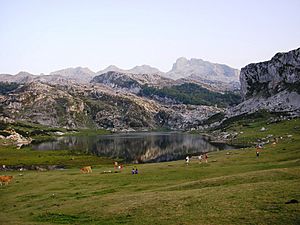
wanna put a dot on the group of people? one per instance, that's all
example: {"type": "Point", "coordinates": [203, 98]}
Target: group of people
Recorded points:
{"type": "Point", "coordinates": [134, 171]}
{"type": "Point", "coordinates": [119, 167]}
{"type": "Point", "coordinates": [200, 158]}
{"type": "Point", "coordinates": [187, 160]}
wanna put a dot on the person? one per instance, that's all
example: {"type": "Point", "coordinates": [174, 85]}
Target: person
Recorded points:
{"type": "Point", "coordinates": [136, 171]}
{"type": "Point", "coordinates": [133, 171]}
{"type": "Point", "coordinates": [187, 159]}
{"type": "Point", "coordinates": [115, 165]}
{"type": "Point", "coordinates": [206, 157]}
{"type": "Point", "coordinates": [257, 150]}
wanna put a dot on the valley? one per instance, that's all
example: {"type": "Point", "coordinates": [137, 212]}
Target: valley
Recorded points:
{"type": "Point", "coordinates": [234, 186]}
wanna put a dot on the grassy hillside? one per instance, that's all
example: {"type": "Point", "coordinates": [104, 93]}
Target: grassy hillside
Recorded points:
{"type": "Point", "coordinates": [234, 187]}
{"type": "Point", "coordinates": [259, 127]}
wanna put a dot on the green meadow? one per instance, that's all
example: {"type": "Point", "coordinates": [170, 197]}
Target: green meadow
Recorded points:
{"type": "Point", "coordinates": [234, 187]}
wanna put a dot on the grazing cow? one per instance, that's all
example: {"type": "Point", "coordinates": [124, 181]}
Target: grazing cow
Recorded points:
{"type": "Point", "coordinates": [5, 179]}
{"type": "Point", "coordinates": [86, 169]}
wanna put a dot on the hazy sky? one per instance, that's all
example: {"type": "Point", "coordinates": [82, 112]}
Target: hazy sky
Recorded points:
{"type": "Point", "coordinates": [46, 35]}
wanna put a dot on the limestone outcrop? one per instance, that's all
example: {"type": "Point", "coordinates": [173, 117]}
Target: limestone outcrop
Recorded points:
{"type": "Point", "coordinates": [272, 85]}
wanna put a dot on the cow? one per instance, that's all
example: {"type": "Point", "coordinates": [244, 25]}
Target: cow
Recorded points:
{"type": "Point", "coordinates": [5, 179]}
{"type": "Point", "coordinates": [86, 169]}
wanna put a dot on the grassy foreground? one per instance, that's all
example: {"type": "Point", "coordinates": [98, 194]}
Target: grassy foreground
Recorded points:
{"type": "Point", "coordinates": [235, 187]}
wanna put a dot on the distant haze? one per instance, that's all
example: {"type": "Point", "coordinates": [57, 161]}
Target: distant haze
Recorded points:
{"type": "Point", "coordinates": [49, 35]}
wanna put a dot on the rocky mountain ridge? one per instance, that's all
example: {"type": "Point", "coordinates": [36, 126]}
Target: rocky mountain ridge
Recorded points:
{"type": "Point", "coordinates": [96, 106]}
{"type": "Point", "coordinates": [24, 77]}
{"type": "Point", "coordinates": [214, 76]}
{"type": "Point", "coordinates": [130, 81]}
{"type": "Point", "coordinates": [132, 101]}
{"type": "Point", "coordinates": [78, 97]}
{"type": "Point", "coordinates": [272, 85]}
{"type": "Point", "coordinates": [143, 69]}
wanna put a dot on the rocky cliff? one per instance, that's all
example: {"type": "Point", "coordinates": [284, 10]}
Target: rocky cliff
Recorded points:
{"type": "Point", "coordinates": [281, 73]}
{"type": "Point", "coordinates": [273, 85]}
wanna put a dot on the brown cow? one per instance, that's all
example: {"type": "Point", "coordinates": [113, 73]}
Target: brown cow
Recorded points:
{"type": "Point", "coordinates": [86, 169]}
{"type": "Point", "coordinates": [5, 179]}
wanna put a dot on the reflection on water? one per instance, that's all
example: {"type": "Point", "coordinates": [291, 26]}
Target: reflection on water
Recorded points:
{"type": "Point", "coordinates": [136, 147]}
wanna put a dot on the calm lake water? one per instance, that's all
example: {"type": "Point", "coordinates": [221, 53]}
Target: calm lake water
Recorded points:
{"type": "Point", "coordinates": [136, 147]}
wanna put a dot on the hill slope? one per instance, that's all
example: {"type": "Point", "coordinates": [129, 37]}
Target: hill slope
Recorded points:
{"type": "Point", "coordinates": [189, 93]}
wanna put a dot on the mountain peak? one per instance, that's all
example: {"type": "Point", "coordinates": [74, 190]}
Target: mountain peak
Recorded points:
{"type": "Point", "coordinates": [112, 68]}
{"type": "Point", "coordinates": [23, 73]}
{"type": "Point", "coordinates": [144, 66]}
{"type": "Point", "coordinates": [144, 69]}
{"type": "Point", "coordinates": [69, 72]}
{"type": "Point", "coordinates": [181, 59]}
{"type": "Point", "coordinates": [183, 68]}
{"type": "Point", "coordinates": [109, 68]}
{"type": "Point", "coordinates": [80, 74]}
{"type": "Point", "coordinates": [180, 63]}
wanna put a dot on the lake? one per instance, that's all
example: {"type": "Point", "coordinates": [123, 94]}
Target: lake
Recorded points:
{"type": "Point", "coordinates": [136, 147]}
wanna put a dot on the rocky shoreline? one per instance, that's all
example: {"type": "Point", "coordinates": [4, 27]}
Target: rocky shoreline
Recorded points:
{"type": "Point", "coordinates": [16, 138]}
